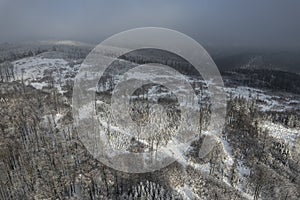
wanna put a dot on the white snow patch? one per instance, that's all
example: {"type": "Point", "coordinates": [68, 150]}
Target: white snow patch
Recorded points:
{"type": "Point", "coordinates": [39, 86]}
{"type": "Point", "coordinates": [187, 193]}
{"type": "Point", "coordinates": [288, 135]}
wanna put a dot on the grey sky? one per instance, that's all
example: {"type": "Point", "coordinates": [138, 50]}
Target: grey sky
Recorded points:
{"type": "Point", "coordinates": [257, 23]}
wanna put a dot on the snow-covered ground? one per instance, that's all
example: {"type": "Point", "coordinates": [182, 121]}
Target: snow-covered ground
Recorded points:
{"type": "Point", "coordinates": [288, 135]}
{"type": "Point", "coordinates": [33, 68]}
{"type": "Point", "coordinates": [265, 99]}
{"type": "Point", "coordinates": [38, 71]}
{"type": "Point", "coordinates": [187, 192]}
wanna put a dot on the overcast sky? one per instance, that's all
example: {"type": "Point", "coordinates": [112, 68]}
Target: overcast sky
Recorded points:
{"type": "Point", "coordinates": [255, 23]}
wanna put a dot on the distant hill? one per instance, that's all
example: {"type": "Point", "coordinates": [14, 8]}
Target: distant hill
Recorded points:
{"type": "Point", "coordinates": [279, 60]}
{"type": "Point", "coordinates": [267, 78]}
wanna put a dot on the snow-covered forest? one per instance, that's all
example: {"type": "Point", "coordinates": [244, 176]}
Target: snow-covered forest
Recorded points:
{"type": "Point", "coordinates": [255, 156]}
